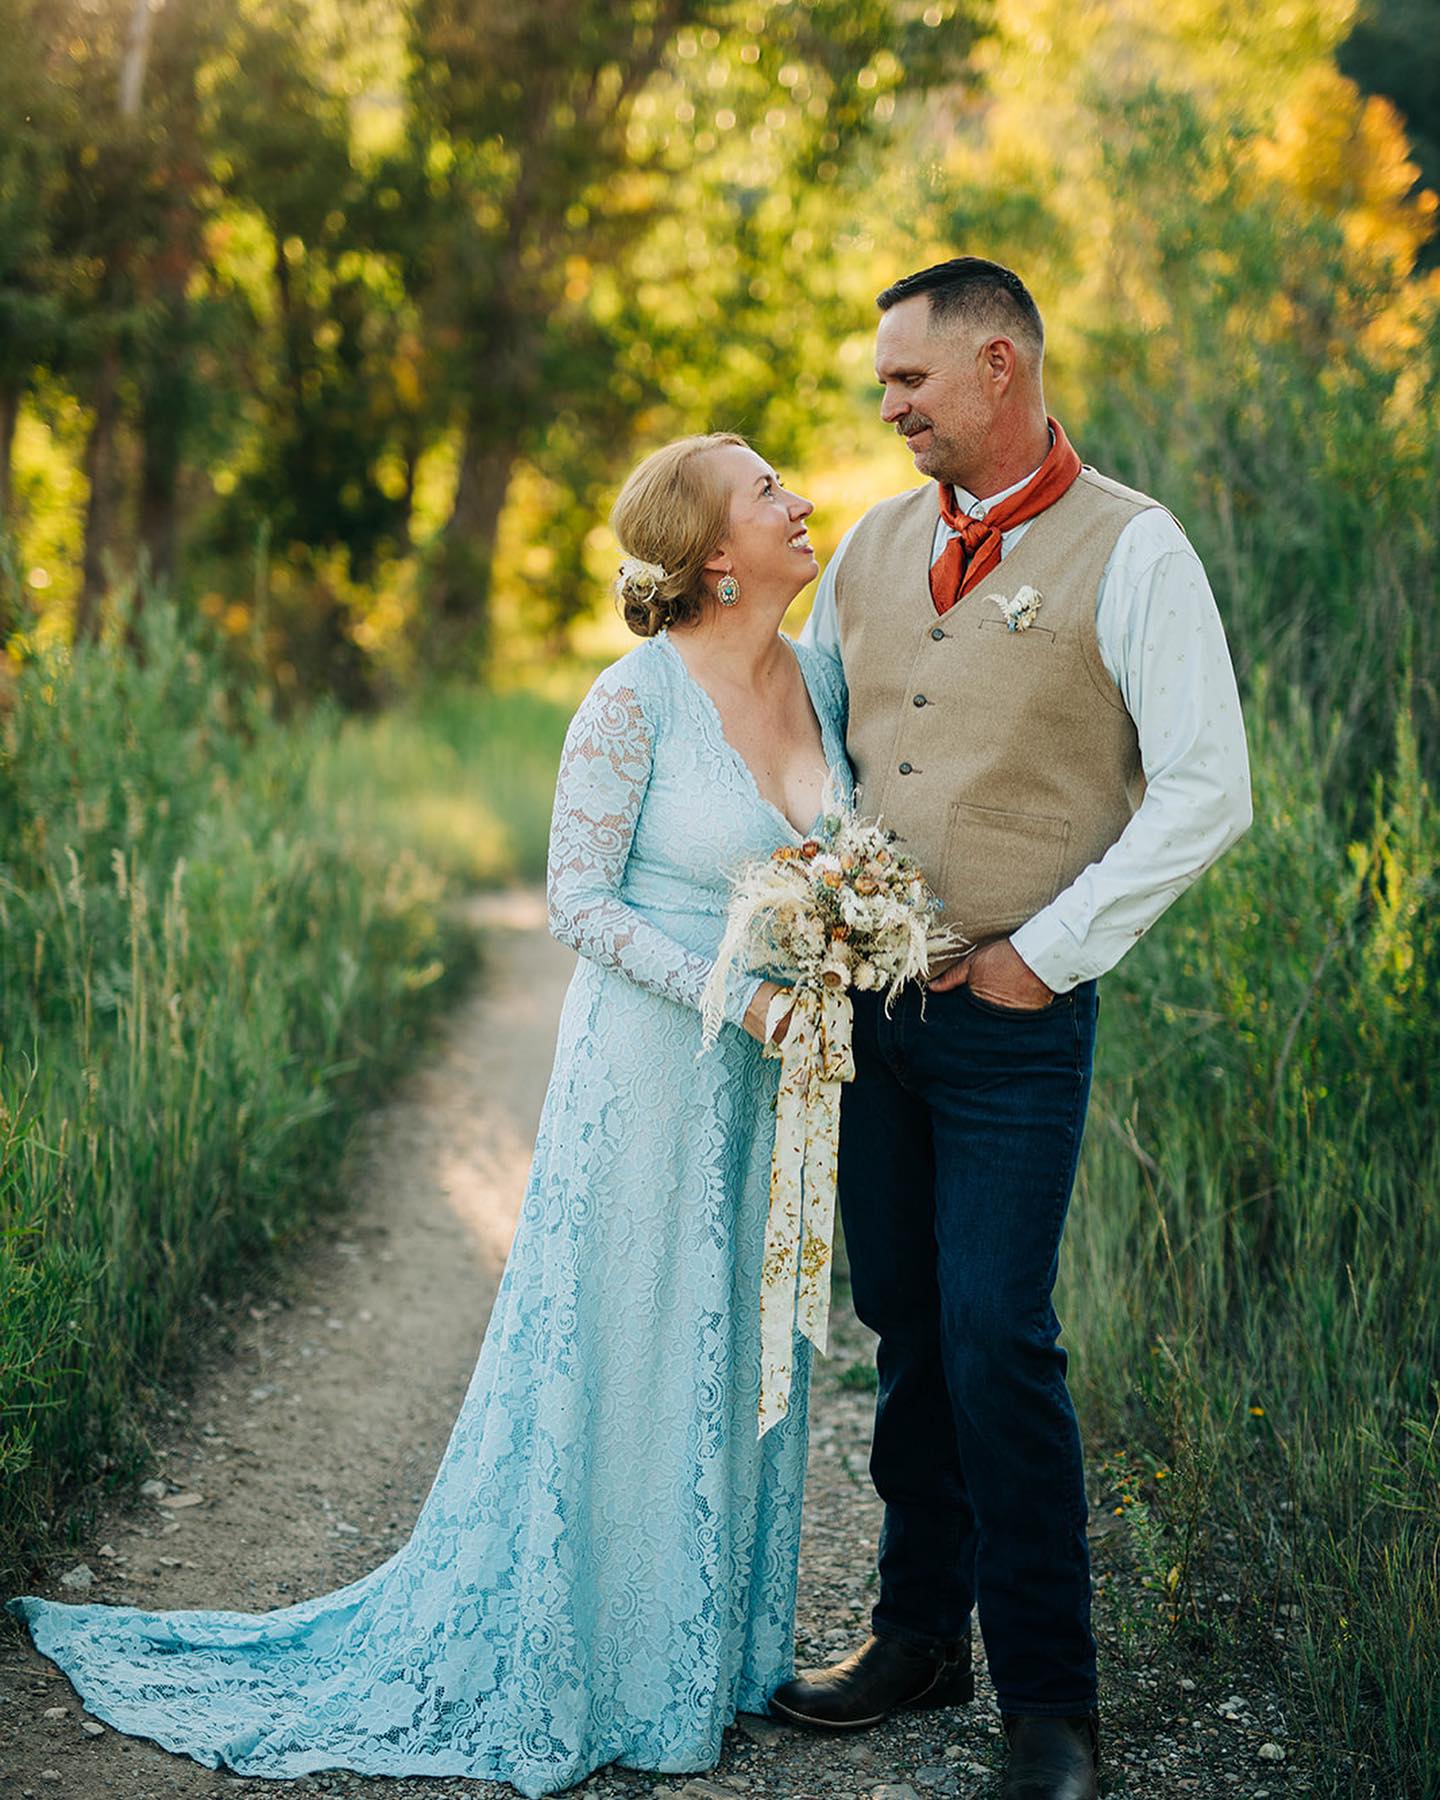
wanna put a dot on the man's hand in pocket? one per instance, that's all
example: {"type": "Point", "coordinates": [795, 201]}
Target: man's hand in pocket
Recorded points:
{"type": "Point", "coordinates": [996, 973]}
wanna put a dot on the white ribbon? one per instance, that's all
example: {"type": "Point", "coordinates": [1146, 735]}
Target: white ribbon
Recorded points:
{"type": "Point", "coordinates": [815, 1058]}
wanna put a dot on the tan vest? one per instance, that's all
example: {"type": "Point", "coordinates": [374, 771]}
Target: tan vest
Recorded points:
{"type": "Point", "coordinates": [1005, 760]}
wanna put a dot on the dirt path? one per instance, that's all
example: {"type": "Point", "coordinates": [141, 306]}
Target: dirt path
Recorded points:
{"type": "Point", "coordinates": [313, 1434]}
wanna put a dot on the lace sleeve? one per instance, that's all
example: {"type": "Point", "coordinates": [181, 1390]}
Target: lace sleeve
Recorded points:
{"type": "Point", "coordinates": [826, 675]}
{"type": "Point", "coordinates": [604, 772]}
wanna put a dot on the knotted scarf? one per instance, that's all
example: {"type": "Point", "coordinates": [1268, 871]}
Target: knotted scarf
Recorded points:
{"type": "Point", "coordinates": [967, 559]}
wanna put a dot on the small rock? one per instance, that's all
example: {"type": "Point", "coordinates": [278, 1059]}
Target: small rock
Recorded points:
{"type": "Point", "coordinates": [177, 1500]}
{"type": "Point", "coordinates": [81, 1576]}
{"type": "Point", "coordinates": [1270, 1753]}
{"type": "Point", "coordinates": [153, 1490]}
{"type": "Point", "coordinates": [49, 1774]}
{"type": "Point", "coordinates": [895, 1790]}
{"type": "Point", "coordinates": [109, 1552]}
{"type": "Point", "coordinates": [763, 1732]}
{"type": "Point", "coordinates": [57, 1712]}
{"type": "Point", "coordinates": [933, 1773]}
{"type": "Point", "coordinates": [92, 1728]}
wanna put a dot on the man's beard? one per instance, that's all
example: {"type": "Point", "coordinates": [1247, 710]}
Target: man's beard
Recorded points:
{"type": "Point", "coordinates": [933, 460]}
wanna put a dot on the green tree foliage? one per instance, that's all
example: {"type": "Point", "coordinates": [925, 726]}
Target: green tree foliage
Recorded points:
{"type": "Point", "coordinates": [1227, 250]}
{"type": "Point", "coordinates": [322, 373]}
{"type": "Point", "coordinates": [1394, 50]}
{"type": "Point", "coordinates": [556, 144]}
{"type": "Point", "coordinates": [32, 279]}
{"type": "Point", "coordinates": [346, 290]}
{"type": "Point", "coordinates": [324, 265]}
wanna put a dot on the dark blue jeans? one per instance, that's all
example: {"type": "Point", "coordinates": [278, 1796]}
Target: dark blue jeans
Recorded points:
{"type": "Point", "coordinates": [958, 1144]}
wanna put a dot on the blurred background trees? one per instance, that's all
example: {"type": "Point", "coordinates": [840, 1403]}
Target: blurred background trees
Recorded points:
{"type": "Point", "coordinates": [300, 298]}
{"type": "Point", "coordinates": [341, 324]}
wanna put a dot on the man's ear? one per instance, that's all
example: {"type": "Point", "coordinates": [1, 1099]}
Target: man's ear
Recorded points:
{"type": "Point", "coordinates": [998, 361]}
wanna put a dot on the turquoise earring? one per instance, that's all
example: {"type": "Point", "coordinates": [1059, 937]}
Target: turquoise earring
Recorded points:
{"type": "Point", "coordinates": [727, 590]}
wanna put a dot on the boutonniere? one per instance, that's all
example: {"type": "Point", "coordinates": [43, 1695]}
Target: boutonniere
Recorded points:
{"type": "Point", "coordinates": [1020, 608]}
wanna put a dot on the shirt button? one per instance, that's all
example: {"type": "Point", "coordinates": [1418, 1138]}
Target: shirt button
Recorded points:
{"type": "Point", "coordinates": [919, 700]}
{"type": "Point", "coordinates": [936, 633]}
{"type": "Point", "coordinates": [906, 769]}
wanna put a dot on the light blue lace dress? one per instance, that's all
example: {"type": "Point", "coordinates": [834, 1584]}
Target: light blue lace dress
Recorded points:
{"type": "Point", "coordinates": [604, 1569]}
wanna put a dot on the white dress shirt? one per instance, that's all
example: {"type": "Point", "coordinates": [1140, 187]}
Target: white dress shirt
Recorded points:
{"type": "Point", "coordinates": [1162, 641]}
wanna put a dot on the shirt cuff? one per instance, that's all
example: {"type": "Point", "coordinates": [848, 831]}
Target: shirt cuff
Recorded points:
{"type": "Point", "coordinates": [1048, 950]}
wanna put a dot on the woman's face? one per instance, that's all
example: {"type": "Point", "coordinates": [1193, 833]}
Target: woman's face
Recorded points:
{"type": "Point", "coordinates": [768, 548]}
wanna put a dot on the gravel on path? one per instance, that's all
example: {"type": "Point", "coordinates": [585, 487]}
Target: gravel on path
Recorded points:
{"type": "Point", "coordinates": [311, 1433]}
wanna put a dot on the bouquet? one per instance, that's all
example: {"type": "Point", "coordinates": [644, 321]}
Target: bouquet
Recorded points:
{"type": "Point", "coordinates": [842, 910]}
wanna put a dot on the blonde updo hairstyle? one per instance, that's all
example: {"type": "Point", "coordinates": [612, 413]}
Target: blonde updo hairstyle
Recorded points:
{"type": "Point", "coordinates": [674, 512]}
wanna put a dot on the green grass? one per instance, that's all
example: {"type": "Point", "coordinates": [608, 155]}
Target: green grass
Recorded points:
{"type": "Point", "coordinates": [460, 777]}
{"type": "Point", "coordinates": [859, 1377]}
{"type": "Point", "coordinates": [1252, 1275]}
{"type": "Point", "coordinates": [218, 936]}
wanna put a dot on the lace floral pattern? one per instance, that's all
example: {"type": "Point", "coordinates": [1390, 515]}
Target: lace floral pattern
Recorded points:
{"type": "Point", "coordinates": [604, 1568]}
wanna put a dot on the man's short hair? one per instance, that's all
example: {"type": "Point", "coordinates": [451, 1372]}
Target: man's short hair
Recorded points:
{"type": "Point", "coordinates": [970, 290]}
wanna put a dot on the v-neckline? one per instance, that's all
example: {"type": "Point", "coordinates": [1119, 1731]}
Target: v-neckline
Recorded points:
{"type": "Point", "coordinates": [708, 701]}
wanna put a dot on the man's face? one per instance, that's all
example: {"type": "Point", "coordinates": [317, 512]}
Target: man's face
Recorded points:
{"type": "Point", "coordinates": [940, 394]}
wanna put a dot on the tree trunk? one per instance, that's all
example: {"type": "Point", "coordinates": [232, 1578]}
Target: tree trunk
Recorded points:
{"type": "Point", "coordinates": [164, 415]}
{"type": "Point", "coordinates": [100, 508]}
{"type": "Point", "coordinates": [100, 448]}
{"type": "Point", "coordinates": [137, 55]}
{"type": "Point", "coordinates": [457, 634]}
{"type": "Point", "coordinates": [9, 419]}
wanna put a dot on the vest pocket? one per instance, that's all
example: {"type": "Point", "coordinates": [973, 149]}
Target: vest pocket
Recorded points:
{"type": "Point", "coordinates": [1030, 631]}
{"type": "Point", "coordinates": [999, 867]}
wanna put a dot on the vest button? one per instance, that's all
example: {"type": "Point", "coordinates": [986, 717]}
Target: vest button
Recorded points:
{"type": "Point", "coordinates": [936, 633]}
{"type": "Point", "coordinates": [919, 700]}
{"type": "Point", "coordinates": [906, 769]}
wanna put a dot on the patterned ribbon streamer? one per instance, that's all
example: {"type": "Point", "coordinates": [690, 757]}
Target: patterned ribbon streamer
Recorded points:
{"type": "Point", "coordinates": [815, 1058]}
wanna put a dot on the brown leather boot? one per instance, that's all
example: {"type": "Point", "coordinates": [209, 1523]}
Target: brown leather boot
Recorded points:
{"type": "Point", "coordinates": [884, 1675]}
{"type": "Point", "coordinates": [1052, 1759]}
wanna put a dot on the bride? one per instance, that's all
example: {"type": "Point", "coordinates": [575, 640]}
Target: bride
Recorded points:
{"type": "Point", "coordinates": [604, 1569]}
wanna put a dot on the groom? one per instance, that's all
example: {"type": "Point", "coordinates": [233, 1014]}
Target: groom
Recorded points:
{"type": "Point", "coordinates": [1042, 706]}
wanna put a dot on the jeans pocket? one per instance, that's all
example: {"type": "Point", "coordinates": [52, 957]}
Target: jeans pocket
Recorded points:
{"type": "Point", "coordinates": [1009, 1012]}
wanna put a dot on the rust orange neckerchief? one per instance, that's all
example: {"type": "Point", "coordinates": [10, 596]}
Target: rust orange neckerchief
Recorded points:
{"type": "Point", "coordinates": [967, 559]}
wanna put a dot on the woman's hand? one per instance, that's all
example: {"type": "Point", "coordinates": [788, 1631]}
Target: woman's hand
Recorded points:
{"type": "Point", "coordinates": [758, 1010]}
